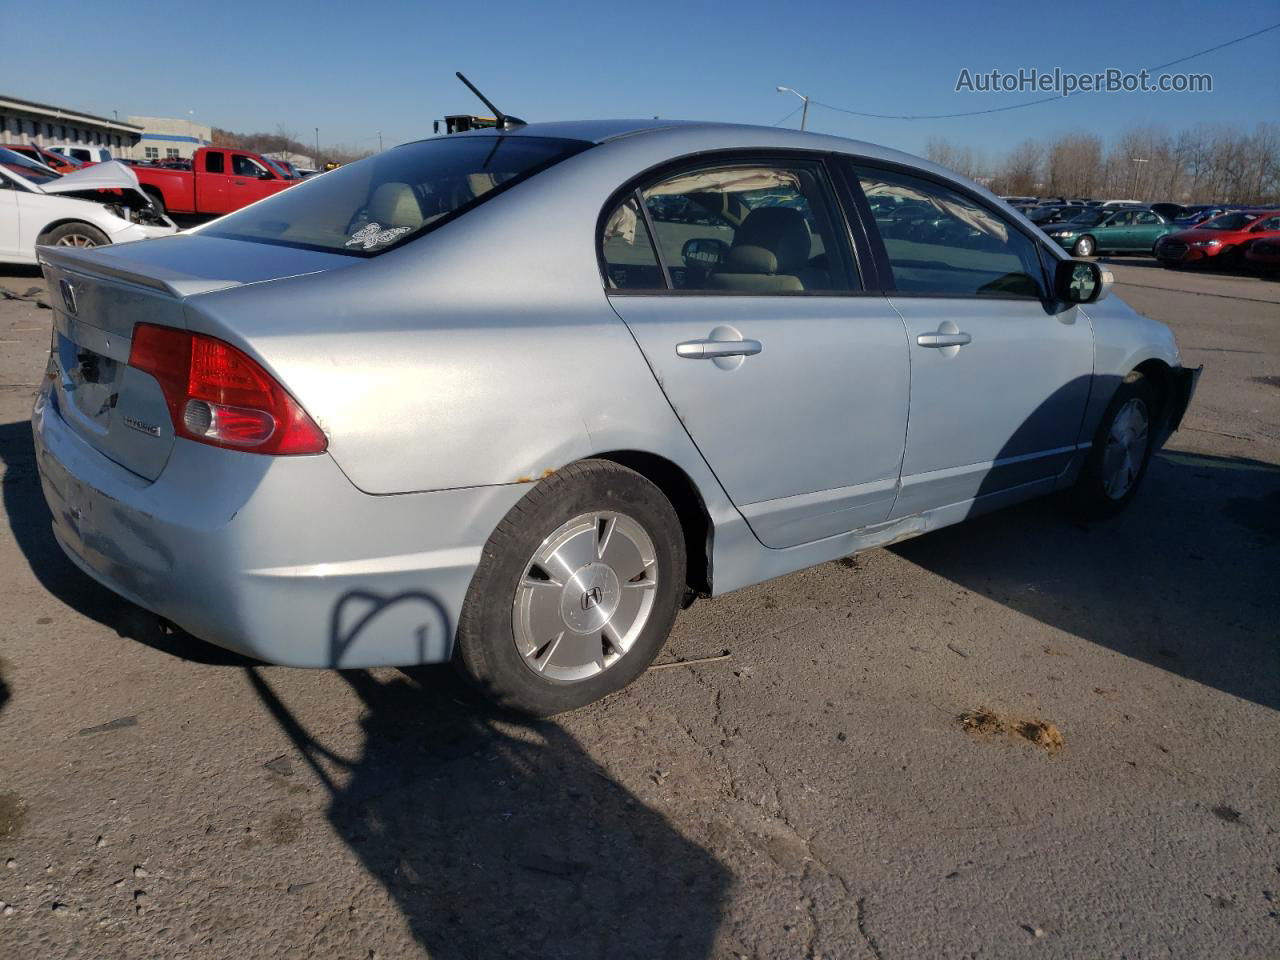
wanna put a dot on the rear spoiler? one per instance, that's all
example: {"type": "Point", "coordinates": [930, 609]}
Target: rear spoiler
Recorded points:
{"type": "Point", "coordinates": [98, 262]}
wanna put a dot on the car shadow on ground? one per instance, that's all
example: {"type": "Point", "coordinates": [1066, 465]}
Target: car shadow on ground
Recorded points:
{"type": "Point", "coordinates": [496, 836]}
{"type": "Point", "coordinates": [501, 837]}
{"type": "Point", "coordinates": [1184, 580]}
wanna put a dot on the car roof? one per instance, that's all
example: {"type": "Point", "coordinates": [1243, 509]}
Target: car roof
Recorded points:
{"type": "Point", "coordinates": [711, 135]}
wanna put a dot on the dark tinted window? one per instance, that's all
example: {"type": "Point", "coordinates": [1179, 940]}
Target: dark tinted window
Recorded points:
{"type": "Point", "coordinates": [365, 207]}
{"type": "Point", "coordinates": [766, 229]}
{"type": "Point", "coordinates": [942, 243]}
{"type": "Point", "coordinates": [1230, 221]}
{"type": "Point", "coordinates": [212, 161]}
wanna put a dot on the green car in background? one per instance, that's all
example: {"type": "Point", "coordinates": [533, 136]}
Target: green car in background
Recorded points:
{"type": "Point", "coordinates": [1131, 230]}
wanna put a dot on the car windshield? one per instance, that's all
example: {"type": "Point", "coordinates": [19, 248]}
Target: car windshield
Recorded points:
{"type": "Point", "coordinates": [1230, 221]}
{"type": "Point", "coordinates": [367, 207]}
{"type": "Point", "coordinates": [29, 170]}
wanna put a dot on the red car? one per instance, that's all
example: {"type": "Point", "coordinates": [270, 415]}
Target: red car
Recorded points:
{"type": "Point", "coordinates": [220, 180]}
{"type": "Point", "coordinates": [1264, 255]}
{"type": "Point", "coordinates": [1222, 240]}
{"type": "Point", "coordinates": [55, 161]}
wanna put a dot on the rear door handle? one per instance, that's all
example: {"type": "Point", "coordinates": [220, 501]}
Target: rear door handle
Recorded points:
{"type": "Point", "coordinates": [710, 349]}
{"type": "Point", "coordinates": [943, 339]}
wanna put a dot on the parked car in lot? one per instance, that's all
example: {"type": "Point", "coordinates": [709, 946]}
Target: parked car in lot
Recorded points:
{"type": "Point", "coordinates": [1198, 214]}
{"type": "Point", "coordinates": [1128, 230]}
{"type": "Point", "coordinates": [1170, 211]}
{"type": "Point", "coordinates": [1222, 240]}
{"type": "Point", "coordinates": [1058, 213]}
{"type": "Point", "coordinates": [91, 207]}
{"type": "Point", "coordinates": [86, 155]}
{"type": "Point", "coordinates": [220, 180]}
{"type": "Point", "coordinates": [317, 431]}
{"type": "Point", "coordinates": [1264, 256]}
{"type": "Point", "coordinates": [54, 161]}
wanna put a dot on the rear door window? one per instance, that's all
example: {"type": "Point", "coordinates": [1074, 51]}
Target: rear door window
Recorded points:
{"type": "Point", "coordinates": [753, 228]}
{"type": "Point", "coordinates": [213, 162]}
{"type": "Point", "coordinates": [940, 242]}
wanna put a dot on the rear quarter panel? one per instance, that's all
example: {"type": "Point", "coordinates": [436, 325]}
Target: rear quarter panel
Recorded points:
{"type": "Point", "coordinates": [483, 353]}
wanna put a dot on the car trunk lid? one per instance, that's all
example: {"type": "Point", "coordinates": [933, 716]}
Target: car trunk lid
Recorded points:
{"type": "Point", "coordinates": [99, 296]}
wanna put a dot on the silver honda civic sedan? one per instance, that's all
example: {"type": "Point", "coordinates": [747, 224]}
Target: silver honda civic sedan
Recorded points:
{"type": "Point", "coordinates": [511, 398]}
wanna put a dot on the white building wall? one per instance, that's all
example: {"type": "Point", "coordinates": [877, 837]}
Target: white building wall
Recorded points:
{"type": "Point", "coordinates": [164, 137]}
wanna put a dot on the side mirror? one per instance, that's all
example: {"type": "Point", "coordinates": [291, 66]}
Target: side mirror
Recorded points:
{"type": "Point", "coordinates": [266, 175]}
{"type": "Point", "coordinates": [1081, 281]}
{"type": "Point", "coordinates": [703, 252]}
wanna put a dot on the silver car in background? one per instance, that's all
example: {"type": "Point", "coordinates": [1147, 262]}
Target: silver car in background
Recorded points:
{"type": "Point", "coordinates": [510, 398]}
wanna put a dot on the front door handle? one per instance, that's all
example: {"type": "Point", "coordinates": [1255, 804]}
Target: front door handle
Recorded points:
{"type": "Point", "coordinates": [943, 339]}
{"type": "Point", "coordinates": [710, 349]}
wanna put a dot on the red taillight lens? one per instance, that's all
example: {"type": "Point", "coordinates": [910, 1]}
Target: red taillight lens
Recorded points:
{"type": "Point", "coordinates": [218, 395]}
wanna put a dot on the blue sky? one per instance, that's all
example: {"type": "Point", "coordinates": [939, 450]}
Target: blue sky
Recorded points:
{"type": "Point", "coordinates": [357, 69]}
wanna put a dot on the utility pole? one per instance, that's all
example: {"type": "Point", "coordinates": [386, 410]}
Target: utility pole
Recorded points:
{"type": "Point", "coordinates": [379, 141]}
{"type": "Point", "coordinates": [804, 113]}
{"type": "Point", "coordinates": [317, 145]}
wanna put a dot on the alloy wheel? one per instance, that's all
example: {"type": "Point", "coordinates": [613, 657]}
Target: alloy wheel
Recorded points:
{"type": "Point", "coordinates": [75, 240]}
{"type": "Point", "coordinates": [585, 596]}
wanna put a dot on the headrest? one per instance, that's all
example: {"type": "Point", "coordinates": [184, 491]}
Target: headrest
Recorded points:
{"type": "Point", "coordinates": [747, 258]}
{"type": "Point", "coordinates": [394, 205]}
{"type": "Point", "coordinates": [782, 230]}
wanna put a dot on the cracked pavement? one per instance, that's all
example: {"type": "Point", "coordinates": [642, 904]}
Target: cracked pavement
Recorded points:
{"type": "Point", "coordinates": [813, 795]}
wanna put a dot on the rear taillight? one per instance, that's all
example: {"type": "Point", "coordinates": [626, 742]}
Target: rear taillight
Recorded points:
{"type": "Point", "coordinates": [220, 396]}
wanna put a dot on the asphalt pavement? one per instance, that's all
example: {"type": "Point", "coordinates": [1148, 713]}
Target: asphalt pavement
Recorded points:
{"type": "Point", "coordinates": [1020, 737]}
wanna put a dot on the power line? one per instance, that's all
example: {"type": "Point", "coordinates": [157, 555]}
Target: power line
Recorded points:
{"type": "Point", "coordinates": [778, 123]}
{"type": "Point", "coordinates": [1032, 103]}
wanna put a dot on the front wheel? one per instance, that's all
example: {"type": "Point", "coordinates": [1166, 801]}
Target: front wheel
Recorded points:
{"type": "Point", "coordinates": [575, 592]}
{"type": "Point", "coordinates": [157, 200]}
{"type": "Point", "coordinates": [1121, 450]}
{"type": "Point", "coordinates": [1084, 247]}
{"type": "Point", "coordinates": [76, 235]}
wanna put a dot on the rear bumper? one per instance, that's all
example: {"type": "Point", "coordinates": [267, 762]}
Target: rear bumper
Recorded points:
{"type": "Point", "coordinates": [279, 558]}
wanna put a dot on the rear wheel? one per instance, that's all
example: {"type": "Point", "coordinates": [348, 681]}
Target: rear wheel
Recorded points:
{"type": "Point", "coordinates": [576, 590]}
{"type": "Point", "coordinates": [1084, 247]}
{"type": "Point", "coordinates": [1121, 451]}
{"type": "Point", "coordinates": [75, 235]}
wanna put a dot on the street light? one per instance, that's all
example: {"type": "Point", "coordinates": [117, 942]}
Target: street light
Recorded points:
{"type": "Point", "coordinates": [804, 114]}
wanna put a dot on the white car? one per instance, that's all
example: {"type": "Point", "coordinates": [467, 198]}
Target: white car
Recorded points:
{"type": "Point", "coordinates": [93, 207]}
{"type": "Point", "coordinates": [83, 154]}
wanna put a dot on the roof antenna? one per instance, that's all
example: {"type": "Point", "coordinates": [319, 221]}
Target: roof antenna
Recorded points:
{"type": "Point", "coordinates": [504, 121]}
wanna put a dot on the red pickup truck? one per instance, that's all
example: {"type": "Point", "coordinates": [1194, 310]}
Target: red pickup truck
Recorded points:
{"type": "Point", "coordinates": [221, 179]}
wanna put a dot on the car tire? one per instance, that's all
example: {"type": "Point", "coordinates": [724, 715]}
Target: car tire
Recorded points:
{"type": "Point", "coordinates": [82, 235]}
{"type": "Point", "coordinates": [1121, 451]}
{"type": "Point", "coordinates": [526, 638]}
{"type": "Point", "coordinates": [157, 200]}
{"type": "Point", "coordinates": [1084, 247]}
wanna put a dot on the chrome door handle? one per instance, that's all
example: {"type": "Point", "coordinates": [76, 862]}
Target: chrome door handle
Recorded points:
{"type": "Point", "coordinates": [943, 339]}
{"type": "Point", "coordinates": [710, 349]}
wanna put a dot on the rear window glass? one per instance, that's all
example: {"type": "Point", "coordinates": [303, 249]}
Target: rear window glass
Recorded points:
{"type": "Point", "coordinates": [366, 207]}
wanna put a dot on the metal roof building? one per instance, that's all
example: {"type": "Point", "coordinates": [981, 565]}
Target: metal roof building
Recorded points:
{"type": "Point", "coordinates": [24, 121]}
